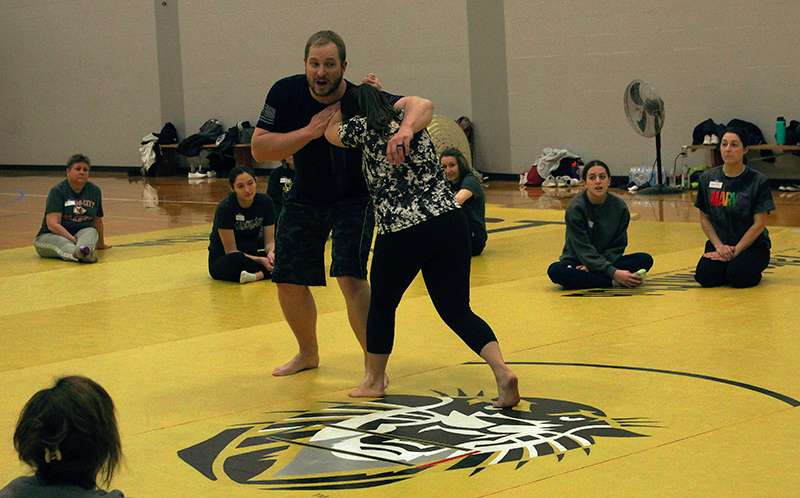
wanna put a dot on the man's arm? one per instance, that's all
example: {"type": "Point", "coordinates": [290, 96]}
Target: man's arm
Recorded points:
{"type": "Point", "coordinates": [418, 113]}
{"type": "Point", "coordinates": [274, 146]}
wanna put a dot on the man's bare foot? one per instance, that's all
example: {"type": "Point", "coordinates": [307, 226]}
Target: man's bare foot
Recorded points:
{"type": "Point", "coordinates": [297, 364]}
{"type": "Point", "coordinates": [371, 388]}
{"type": "Point", "coordinates": [507, 389]}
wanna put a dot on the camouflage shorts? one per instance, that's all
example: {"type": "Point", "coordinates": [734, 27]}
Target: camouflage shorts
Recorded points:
{"type": "Point", "coordinates": [304, 230]}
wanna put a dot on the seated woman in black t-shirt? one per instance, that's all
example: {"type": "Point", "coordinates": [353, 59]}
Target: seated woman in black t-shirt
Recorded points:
{"type": "Point", "coordinates": [734, 201]}
{"type": "Point", "coordinates": [242, 247]}
{"type": "Point", "coordinates": [469, 195]}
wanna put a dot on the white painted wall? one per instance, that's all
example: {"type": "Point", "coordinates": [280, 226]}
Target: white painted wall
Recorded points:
{"type": "Point", "coordinates": [569, 62]}
{"type": "Point", "coordinates": [234, 51]}
{"type": "Point", "coordinates": [83, 76]}
{"type": "Point", "coordinates": [77, 75]}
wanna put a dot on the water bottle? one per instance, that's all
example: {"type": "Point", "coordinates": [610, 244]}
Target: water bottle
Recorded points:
{"type": "Point", "coordinates": [780, 130]}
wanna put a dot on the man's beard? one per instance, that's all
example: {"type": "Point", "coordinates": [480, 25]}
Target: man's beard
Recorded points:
{"type": "Point", "coordinates": [332, 87]}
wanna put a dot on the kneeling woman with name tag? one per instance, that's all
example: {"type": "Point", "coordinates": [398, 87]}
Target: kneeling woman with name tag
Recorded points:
{"type": "Point", "coordinates": [734, 201]}
{"type": "Point", "coordinates": [242, 247]}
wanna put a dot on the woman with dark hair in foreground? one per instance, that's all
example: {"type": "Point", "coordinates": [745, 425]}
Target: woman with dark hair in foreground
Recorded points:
{"type": "Point", "coordinates": [68, 435]}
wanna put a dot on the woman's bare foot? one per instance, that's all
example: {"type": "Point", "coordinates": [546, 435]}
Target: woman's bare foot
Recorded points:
{"type": "Point", "coordinates": [507, 390]}
{"type": "Point", "coordinates": [297, 364]}
{"type": "Point", "coordinates": [370, 388]}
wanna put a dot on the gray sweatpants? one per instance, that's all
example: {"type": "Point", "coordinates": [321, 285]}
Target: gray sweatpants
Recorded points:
{"type": "Point", "coordinates": [51, 245]}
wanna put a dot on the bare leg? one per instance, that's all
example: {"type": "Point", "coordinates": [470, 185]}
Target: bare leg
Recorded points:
{"type": "Point", "coordinates": [374, 383]}
{"type": "Point", "coordinates": [507, 390]}
{"type": "Point", "coordinates": [356, 296]}
{"type": "Point", "coordinates": [300, 312]}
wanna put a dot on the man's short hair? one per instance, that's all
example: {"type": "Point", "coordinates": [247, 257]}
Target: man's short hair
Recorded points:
{"type": "Point", "coordinates": [321, 38]}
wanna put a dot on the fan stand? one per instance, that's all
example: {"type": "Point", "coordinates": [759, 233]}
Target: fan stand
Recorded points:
{"type": "Point", "coordinates": [660, 188]}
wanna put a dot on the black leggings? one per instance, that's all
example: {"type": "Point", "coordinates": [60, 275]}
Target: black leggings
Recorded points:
{"type": "Point", "coordinates": [229, 266]}
{"type": "Point", "coordinates": [742, 271]}
{"type": "Point", "coordinates": [569, 277]}
{"type": "Point", "coordinates": [440, 248]}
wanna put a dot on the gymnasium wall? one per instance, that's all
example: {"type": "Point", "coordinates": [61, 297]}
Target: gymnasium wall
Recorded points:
{"type": "Point", "coordinates": [77, 75]}
{"type": "Point", "coordinates": [234, 51]}
{"type": "Point", "coordinates": [97, 76]}
{"type": "Point", "coordinates": [570, 61]}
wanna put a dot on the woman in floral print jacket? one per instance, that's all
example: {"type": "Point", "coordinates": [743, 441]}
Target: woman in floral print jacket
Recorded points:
{"type": "Point", "coordinates": [420, 228]}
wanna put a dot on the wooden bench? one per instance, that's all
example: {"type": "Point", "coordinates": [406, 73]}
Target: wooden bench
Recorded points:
{"type": "Point", "coordinates": [715, 159]}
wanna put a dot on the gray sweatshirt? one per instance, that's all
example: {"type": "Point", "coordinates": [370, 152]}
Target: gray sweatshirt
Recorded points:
{"type": "Point", "coordinates": [596, 234]}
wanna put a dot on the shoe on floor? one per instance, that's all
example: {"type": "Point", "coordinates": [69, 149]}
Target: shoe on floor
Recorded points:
{"type": "Point", "coordinates": [549, 182]}
{"type": "Point", "coordinates": [82, 252]}
{"type": "Point", "coordinates": [707, 140]}
{"type": "Point", "coordinates": [562, 181]}
{"type": "Point", "coordinates": [714, 140]}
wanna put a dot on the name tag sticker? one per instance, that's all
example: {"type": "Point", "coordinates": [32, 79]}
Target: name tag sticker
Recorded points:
{"type": "Point", "coordinates": [286, 180]}
{"type": "Point", "coordinates": [69, 202]}
{"type": "Point", "coordinates": [239, 217]}
{"type": "Point", "coordinates": [714, 184]}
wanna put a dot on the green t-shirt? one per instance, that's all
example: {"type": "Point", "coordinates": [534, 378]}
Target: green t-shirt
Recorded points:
{"type": "Point", "coordinates": [475, 206]}
{"type": "Point", "coordinates": [596, 234]}
{"type": "Point", "coordinates": [78, 210]}
{"type": "Point", "coordinates": [731, 203]}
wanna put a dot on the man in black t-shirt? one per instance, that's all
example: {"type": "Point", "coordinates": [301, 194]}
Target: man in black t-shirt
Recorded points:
{"type": "Point", "coordinates": [328, 195]}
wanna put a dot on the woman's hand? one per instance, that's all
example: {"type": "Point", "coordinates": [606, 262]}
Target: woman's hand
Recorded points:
{"type": "Point", "coordinates": [270, 260]}
{"type": "Point", "coordinates": [725, 252]}
{"type": "Point", "coordinates": [399, 146]}
{"type": "Point", "coordinates": [627, 279]}
{"type": "Point", "coordinates": [373, 80]}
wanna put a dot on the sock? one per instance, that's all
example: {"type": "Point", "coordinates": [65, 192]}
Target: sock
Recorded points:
{"type": "Point", "coordinates": [247, 277]}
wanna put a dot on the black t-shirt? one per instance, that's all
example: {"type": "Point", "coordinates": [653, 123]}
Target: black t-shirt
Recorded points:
{"type": "Point", "coordinates": [324, 173]}
{"type": "Point", "coordinates": [475, 206]}
{"type": "Point", "coordinates": [247, 224]}
{"type": "Point", "coordinates": [279, 186]}
{"type": "Point", "coordinates": [78, 210]}
{"type": "Point", "coordinates": [731, 202]}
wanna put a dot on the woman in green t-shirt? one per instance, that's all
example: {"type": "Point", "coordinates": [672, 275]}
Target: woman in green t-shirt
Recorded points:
{"type": "Point", "coordinates": [72, 227]}
{"type": "Point", "coordinates": [734, 201]}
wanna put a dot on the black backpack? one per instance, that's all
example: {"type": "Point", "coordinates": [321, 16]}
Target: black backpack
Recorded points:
{"type": "Point", "coordinates": [168, 134]}
{"type": "Point", "coordinates": [212, 128]}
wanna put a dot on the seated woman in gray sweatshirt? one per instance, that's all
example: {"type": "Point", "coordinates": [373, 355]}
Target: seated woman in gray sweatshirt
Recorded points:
{"type": "Point", "coordinates": [597, 224]}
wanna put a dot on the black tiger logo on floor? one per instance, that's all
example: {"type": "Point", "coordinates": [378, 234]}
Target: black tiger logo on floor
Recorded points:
{"type": "Point", "coordinates": [360, 444]}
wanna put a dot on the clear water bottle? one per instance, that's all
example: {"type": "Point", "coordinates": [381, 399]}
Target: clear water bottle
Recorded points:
{"type": "Point", "coordinates": [780, 130]}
